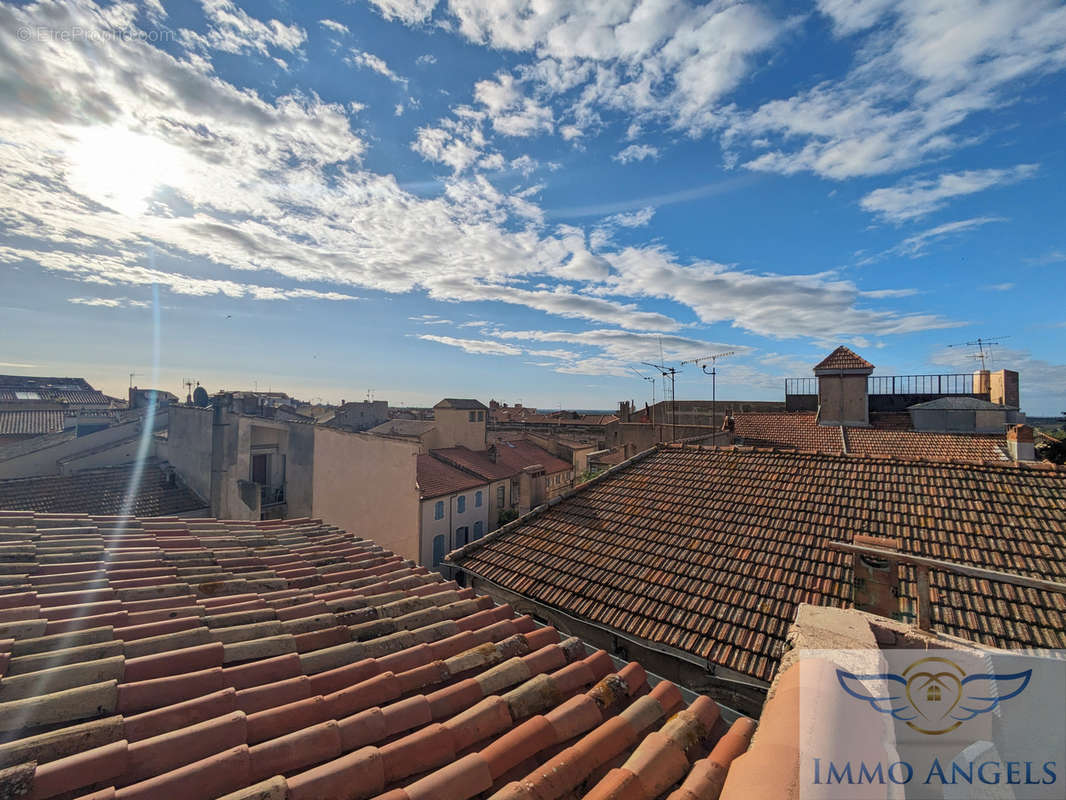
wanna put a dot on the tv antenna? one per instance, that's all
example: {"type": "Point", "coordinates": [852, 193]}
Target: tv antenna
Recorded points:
{"type": "Point", "coordinates": [370, 395]}
{"type": "Point", "coordinates": [667, 372]}
{"type": "Point", "coordinates": [132, 376]}
{"type": "Point", "coordinates": [651, 380]}
{"type": "Point", "coordinates": [188, 384]}
{"type": "Point", "coordinates": [984, 347]}
{"type": "Point", "coordinates": [713, 372]}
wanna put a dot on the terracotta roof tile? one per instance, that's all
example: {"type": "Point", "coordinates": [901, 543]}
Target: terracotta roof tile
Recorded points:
{"type": "Point", "coordinates": [478, 462]}
{"type": "Point", "coordinates": [710, 552]}
{"type": "Point", "coordinates": [435, 478]}
{"type": "Point", "coordinates": [517, 454]}
{"type": "Point", "coordinates": [101, 491]}
{"type": "Point", "coordinates": [843, 358]}
{"type": "Point", "coordinates": [800, 430]}
{"type": "Point", "coordinates": [434, 693]}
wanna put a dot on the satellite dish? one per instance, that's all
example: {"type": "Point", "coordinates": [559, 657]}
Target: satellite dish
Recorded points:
{"type": "Point", "coordinates": [200, 398]}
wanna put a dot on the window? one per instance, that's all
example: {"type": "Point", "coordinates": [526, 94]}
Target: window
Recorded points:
{"type": "Point", "coordinates": [438, 510]}
{"type": "Point", "coordinates": [472, 416]}
{"type": "Point", "coordinates": [477, 500]}
{"type": "Point", "coordinates": [479, 529]}
{"type": "Point", "coordinates": [438, 549]}
{"type": "Point", "coordinates": [481, 416]}
{"type": "Point", "coordinates": [462, 536]}
{"type": "Point", "coordinates": [501, 496]}
{"type": "Point", "coordinates": [460, 504]}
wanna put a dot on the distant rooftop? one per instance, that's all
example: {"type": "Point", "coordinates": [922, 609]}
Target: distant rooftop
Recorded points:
{"type": "Point", "coordinates": [435, 478]}
{"type": "Point", "coordinates": [101, 491]}
{"type": "Point", "coordinates": [462, 404]}
{"type": "Point", "coordinates": [843, 358]}
{"type": "Point", "coordinates": [403, 427]}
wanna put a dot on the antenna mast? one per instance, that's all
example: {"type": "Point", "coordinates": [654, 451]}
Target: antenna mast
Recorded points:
{"type": "Point", "coordinates": [984, 347]}
{"type": "Point", "coordinates": [666, 372]}
{"type": "Point", "coordinates": [650, 380]}
{"type": "Point", "coordinates": [702, 362]}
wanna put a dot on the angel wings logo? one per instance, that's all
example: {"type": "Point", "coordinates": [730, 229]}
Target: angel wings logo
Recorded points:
{"type": "Point", "coordinates": [934, 695]}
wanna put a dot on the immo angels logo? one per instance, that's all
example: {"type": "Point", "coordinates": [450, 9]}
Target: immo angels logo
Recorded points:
{"type": "Point", "coordinates": [934, 695]}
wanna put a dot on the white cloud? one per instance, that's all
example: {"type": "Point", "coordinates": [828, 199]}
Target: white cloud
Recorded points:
{"type": "Point", "coordinates": [475, 346]}
{"type": "Point", "coordinates": [233, 30]}
{"type": "Point", "coordinates": [916, 245]}
{"type": "Point", "coordinates": [409, 11]}
{"type": "Point", "coordinates": [928, 67]}
{"type": "Point", "coordinates": [998, 287]}
{"type": "Point", "coordinates": [510, 112]}
{"type": "Point", "coordinates": [361, 58]}
{"type": "Point", "coordinates": [333, 25]}
{"type": "Point", "coordinates": [636, 152]}
{"type": "Point", "coordinates": [780, 306]}
{"type": "Point", "coordinates": [203, 183]}
{"type": "Point", "coordinates": [634, 219]}
{"type": "Point", "coordinates": [916, 198]}
{"type": "Point", "coordinates": [426, 59]}
{"type": "Point", "coordinates": [108, 302]}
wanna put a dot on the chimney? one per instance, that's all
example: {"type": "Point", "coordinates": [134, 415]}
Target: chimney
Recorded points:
{"type": "Point", "coordinates": [876, 580]}
{"type": "Point", "coordinates": [1020, 442]}
{"type": "Point", "coordinates": [1003, 388]}
{"type": "Point", "coordinates": [982, 381]}
{"type": "Point", "coordinates": [492, 453]}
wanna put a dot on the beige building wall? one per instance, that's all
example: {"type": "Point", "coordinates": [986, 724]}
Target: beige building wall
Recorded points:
{"type": "Point", "coordinates": [454, 427]}
{"type": "Point", "coordinates": [1004, 388]}
{"type": "Point", "coordinates": [452, 520]}
{"type": "Point", "coordinates": [843, 399]}
{"type": "Point", "coordinates": [367, 485]}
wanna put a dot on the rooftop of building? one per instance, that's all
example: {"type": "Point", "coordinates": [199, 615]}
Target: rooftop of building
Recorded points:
{"type": "Point", "coordinates": [108, 490]}
{"type": "Point", "coordinates": [887, 436]}
{"type": "Point", "coordinates": [462, 404]}
{"type": "Point", "coordinates": [30, 422]}
{"type": "Point", "coordinates": [517, 454]}
{"type": "Point", "coordinates": [711, 551]}
{"type": "Point", "coordinates": [845, 359]}
{"type": "Point", "coordinates": [154, 658]}
{"type": "Point", "coordinates": [436, 479]}
{"type": "Point", "coordinates": [74, 391]}
{"type": "Point", "coordinates": [404, 427]}
{"type": "Point", "coordinates": [959, 403]}
{"type": "Point", "coordinates": [481, 462]}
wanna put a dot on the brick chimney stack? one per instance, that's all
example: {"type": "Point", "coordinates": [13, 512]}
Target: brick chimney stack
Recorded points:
{"type": "Point", "coordinates": [1004, 388]}
{"type": "Point", "coordinates": [1020, 443]}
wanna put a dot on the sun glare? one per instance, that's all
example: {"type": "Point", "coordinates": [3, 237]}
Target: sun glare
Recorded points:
{"type": "Point", "coordinates": [121, 169]}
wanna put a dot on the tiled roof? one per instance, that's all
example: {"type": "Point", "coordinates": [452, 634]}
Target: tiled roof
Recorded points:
{"type": "Point", "coordinates": [403, 427]}
{"type": "Point", "coordinates": [796, 429]}
{"type": "Point", "coordinates": [801, 430]}
{"type": "Point", "coordinates": [35, 443]}
{"type": "Point", "coordinates": [435, 478]}
{"type": "Point", "coordinates": [478, 462]}
{"type": "Point", "coordinates": [100, 491]}
{"type": "Point", "coordinates": [710, 552]}
{"type": "Point", "coordinates": [462, 404]}
{"type": "Point", "coordinates": [843, 358]}
{"type": "Point", "coordinates": [193, 659]}
{"type": "Point", "coordinates": [27, 422]}
{"type": "Point", "coordinates": [517, 454]}
{"type": "Point", "coordinates": [924, 444]}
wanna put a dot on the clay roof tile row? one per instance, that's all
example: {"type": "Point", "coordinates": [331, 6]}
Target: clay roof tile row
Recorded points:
{"type": "Point", "coordinates": [710, 552]}
{"type": "Point", "coordinates": [193, 658]}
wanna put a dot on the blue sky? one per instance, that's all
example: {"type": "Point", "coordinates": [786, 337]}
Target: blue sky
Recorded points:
{"type": "Point", "coordinates": [461, 198]}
